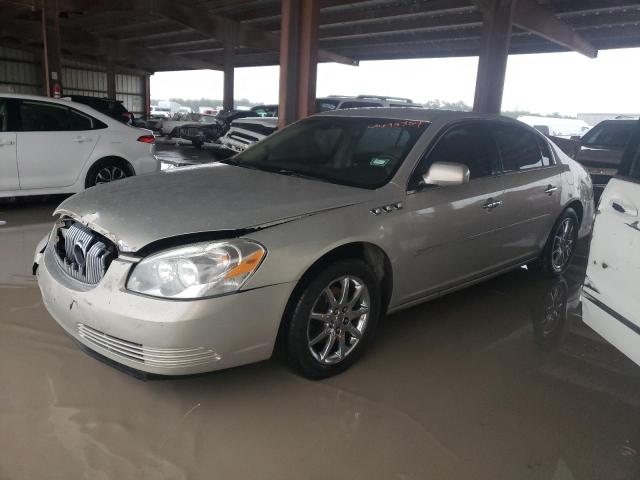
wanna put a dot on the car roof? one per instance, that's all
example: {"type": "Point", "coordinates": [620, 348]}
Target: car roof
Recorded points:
{"type": "Point", "coordinates": [410, 113]}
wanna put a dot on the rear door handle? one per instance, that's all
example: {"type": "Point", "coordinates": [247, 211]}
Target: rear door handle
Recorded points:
{"type": "Point", "coordinates": [6, 142]}
{"type": "Point", "coordinates": [620, 207]}
{"type": "Point", "coordinates": [550, 189]}
{"type": "Point", "coordinates": [491, 204]}
{"type": "Point", "coordinates": [82, 139]}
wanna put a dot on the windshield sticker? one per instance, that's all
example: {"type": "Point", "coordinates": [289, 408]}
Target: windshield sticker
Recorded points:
{"type": "Point", "coordinates": [379, 162]}
{"type": "Point", "coordinates": [399, 124]}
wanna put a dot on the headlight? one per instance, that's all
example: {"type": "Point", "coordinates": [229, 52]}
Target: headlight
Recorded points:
{"type": "Point", "coordinates": [198, 270]}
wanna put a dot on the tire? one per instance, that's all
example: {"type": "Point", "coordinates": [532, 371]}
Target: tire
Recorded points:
{"type": "Point", "coordinates": [552, 261]}
{"type": "Point", "coordinates": [332, 333]}
{"type": "Point", "coordinates": [106, 171]}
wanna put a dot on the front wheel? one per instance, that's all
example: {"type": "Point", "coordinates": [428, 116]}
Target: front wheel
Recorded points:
{"type": "Point", "coordinates": [333, 320]}
{"type": "Point", "coordinates": [561, 244]}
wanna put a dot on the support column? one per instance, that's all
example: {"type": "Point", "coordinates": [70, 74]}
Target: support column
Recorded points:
{"type": "Point", "coordinates": [298, 59]}
{"type": "Point", "coordinates": [494, 53]}
{"type": "Point", "coordinates": [111, 79]}
{"type": "Point", "coordinates": [229, 65]}
{"type": "Point", "coordinates": [147, 95]}
{"type": "Point", "coordinates": [51, 42]}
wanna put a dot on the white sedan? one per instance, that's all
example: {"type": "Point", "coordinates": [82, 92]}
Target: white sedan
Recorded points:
{"type": "Point", "coordinates": [58, 146]}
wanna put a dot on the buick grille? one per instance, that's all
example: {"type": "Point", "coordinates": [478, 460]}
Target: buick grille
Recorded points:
{"type": "Point", "coordinates": [81, 253]}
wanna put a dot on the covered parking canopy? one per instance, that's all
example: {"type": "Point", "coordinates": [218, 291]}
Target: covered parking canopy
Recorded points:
{"type": "Point", "coordinates": [146, 36]}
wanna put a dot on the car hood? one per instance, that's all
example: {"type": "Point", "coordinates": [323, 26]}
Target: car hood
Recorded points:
{"type": "Point", "coordinates": [210, 198]}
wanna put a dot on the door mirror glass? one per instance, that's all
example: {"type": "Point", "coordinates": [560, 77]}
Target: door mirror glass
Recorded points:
{"type": "Point", "coordinates": [445, 174]}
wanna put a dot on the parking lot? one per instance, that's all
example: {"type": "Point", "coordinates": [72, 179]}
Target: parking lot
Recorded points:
{"type": "Point", "coordinates": [319, 239]}
{"type": "Point", "coordinates": [501, 381]}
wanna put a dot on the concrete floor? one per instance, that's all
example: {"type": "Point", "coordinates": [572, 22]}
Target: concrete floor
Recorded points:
{"type": "Point", "coordinates": [482, 384]}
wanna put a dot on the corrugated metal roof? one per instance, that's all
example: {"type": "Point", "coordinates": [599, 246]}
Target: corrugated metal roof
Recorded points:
{"type": "Point", "coordinates": [362, 30]}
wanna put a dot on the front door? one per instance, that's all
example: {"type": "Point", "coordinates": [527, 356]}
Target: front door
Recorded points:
{"type": "Point", "coordinates": [611, 304]}
{"type": "Point", "coordinates": [53, 145]}
{"type": "Point", "coordinates": [455, 230]}
{"type": "Point", "coordinates": [8, 163]}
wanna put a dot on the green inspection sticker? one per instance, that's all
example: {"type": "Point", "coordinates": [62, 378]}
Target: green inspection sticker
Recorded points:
{"type": "Point", "coordinates": [379, 162]}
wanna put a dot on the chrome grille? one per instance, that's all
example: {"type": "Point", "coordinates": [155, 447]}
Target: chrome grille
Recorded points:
{"type": "Point", "coordinates": [83, 254]}
{"type": "Point", "coordinates": [155, 357]}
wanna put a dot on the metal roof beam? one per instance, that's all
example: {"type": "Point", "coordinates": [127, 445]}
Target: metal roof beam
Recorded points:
{"type": "Point", "coordinates": [531, 16]}
{"type": "Point", "coordinates": [216, 27]}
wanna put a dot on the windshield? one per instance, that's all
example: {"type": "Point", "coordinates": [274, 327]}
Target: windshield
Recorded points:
{"type": "Point", "coordinates": [610, 134]}
{"type": "Point", "coordinates": [355, 151]}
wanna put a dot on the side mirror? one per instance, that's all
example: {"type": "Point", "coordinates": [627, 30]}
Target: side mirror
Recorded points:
{"type": "Point", "coordinates": [445, 174]}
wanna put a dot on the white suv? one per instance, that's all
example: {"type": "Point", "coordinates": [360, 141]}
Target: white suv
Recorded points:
{"type": "Point", "coordinates": [58, 146]}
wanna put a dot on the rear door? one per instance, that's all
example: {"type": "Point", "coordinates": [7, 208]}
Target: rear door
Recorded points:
{"type": "Point", "coordinates": [611, 303]}
{"type": "Point", "coordinates": [533, 187]}
{"type": "Point", "coordinates": [53, 145]}
{"type": "Point", "coordinates": [8, 161]}
{"type": "Point", "coordinates": [455, 230]}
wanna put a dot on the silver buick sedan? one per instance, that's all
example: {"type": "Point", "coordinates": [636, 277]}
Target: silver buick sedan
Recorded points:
{"type": "Point", "coordinates": [303, 242]}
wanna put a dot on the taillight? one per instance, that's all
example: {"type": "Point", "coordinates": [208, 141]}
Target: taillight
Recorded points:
{"type": "Point", "coordinates": [147, 139]}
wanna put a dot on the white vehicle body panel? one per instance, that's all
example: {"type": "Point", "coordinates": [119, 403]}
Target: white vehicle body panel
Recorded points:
{"type": "Point", "coordinates": [611, 303]}
{"type": "Point", "coordinates": [8, 162]}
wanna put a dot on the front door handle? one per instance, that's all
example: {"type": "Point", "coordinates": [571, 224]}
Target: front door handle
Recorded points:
{"type": "Point", "coordinates": [550, 189]}
{"type": "Point", "coordinates": [620, 207]}
{"type": "Point", "coordinates": [491, 204]}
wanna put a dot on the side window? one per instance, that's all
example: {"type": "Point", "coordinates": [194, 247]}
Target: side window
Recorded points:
{"type": "Point", "coordinates": [4, 115]}
{"type": "Point", "coordinates": [80, 121]}
{"type": "Point", "coordinates": [547, 156]}
{"type": "Point", "coordinates": [468, 144]}
{"type": "Point", "coordinates": [43, 117]}
{"type": "Point", "coordinates": [519, 148]}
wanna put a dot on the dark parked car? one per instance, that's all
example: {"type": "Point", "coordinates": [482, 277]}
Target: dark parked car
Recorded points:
{"type": "Point", "coordinates": [601, 149]}
{"type": "Point", "coordinates": [109, 106]}
{"type": "Point", "coordinates": [211, 129]}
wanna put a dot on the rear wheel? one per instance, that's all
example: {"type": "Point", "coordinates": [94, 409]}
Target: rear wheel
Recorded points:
{"type": "Point", "coordinates": [561, 244]}
{"type": "Point", "coordinates": [333, 320]}
{"type": "Point", "coordinates": [106, 171]}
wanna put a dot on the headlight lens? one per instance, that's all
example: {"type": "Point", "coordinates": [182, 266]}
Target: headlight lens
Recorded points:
{"type": "Point", "coordinates": [198, 270]}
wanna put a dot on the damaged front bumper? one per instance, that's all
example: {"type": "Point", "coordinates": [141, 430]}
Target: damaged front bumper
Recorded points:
{"type": "Point", "coordinates": [159, 336]}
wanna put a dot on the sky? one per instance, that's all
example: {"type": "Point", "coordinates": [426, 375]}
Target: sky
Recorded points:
{"type": "Point", "coordinates": [567, 83]}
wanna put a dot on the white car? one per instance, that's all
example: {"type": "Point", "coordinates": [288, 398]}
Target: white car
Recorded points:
{"type": "Point", "coordinates": [611, 305]}
{"type": "Point", "coordinates": [244, 132]}
{"type": "Point", "coordinates": [57, 146]}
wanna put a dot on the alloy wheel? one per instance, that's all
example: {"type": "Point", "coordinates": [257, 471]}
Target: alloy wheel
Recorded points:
{"type": "Point", "coordinates": [563, 244]}
{"type": "Point", "coordinates": [338, 319]}
{"type": "Point", "coordinates": [109, 174]}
